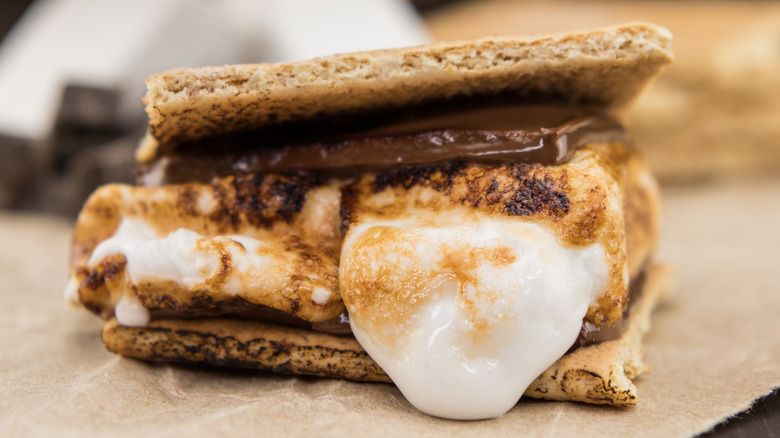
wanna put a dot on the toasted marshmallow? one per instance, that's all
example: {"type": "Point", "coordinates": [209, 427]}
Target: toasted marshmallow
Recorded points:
{"type": "Point", "coordinates": [184, 257]}
{"type": "Point", "coordinates": [229, 265]}
{"type": "Point", "coordinates": [194, 248]}
{"type": "Point", "coordinates": [463, 318]}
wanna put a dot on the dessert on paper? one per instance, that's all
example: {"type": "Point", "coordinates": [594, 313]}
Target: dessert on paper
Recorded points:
{"type": "Point", "coordinates": [466, 220]}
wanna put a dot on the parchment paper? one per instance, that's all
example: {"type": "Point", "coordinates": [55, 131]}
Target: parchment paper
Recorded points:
{"type": "Point", "coordinates": [714, 348]}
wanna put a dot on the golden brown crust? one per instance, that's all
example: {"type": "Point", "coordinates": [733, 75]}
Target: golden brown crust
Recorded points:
{"type": "Point", "coordinates": [295, 217]}
{"type": "Point", "coordinates": [598, 374]}
{"type": "Point", "coordinates": [606, 67]}
{"type": "Point", "coordinates": [601, 196]}
{"type": "Point", "coordinates": [244, 344]}
{"type": "Point", "coordinates": [605, 195]}
{"type": "Point", "coordinates": [582, 202]}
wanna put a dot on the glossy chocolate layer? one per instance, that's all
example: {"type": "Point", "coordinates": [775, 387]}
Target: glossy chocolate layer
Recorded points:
{"type": "Point", "coordinates": [335, 326]}
{"type": "Point", "coordinates": [491, 133]}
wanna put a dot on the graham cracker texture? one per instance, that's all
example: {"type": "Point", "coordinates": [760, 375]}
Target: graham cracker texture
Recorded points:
{"type": "Point", "coordinates": [606, 67]}
{"type": "Point", "coordinates": [248, 344]}
{"type": "Point", "coordinates": [597, 374]}
{"type": "Point", "coordinates": [602, 373]}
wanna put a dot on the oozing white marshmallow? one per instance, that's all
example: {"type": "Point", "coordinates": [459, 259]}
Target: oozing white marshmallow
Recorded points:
{"type": "Point", "coordinates": [130, 312]}
{"type": "Point", "coordinates": [233, 264]}
{"type": "Point", "coordinates": [463, 318]}
{"type": "Point", "coordinates": [320, 295]}
{"type": "Point", "coordinates": [183, 256]}
{"type": "Point", "coordinates": [71, 293]}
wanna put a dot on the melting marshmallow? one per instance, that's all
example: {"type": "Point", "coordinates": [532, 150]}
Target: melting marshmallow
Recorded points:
{"type": "Point", "coordinates": [131, 313]}
{"type": "Point", "coordinates": [229, 264]}
{"type": "Point", "coordinates": [477, 332]}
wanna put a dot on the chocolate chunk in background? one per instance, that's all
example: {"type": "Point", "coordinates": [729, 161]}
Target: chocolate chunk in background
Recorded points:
{"type": "Point", "coordinates": [87, 116]}
{"type": "Point", "coordinates": [10, 12]}
{"type": "Point", "coordinates": [88, 107]}
{"type": "Point", "coordinates": [88, 146]}
{"type": "Point", "coordinates": [21, 162]}
{"type": "Point", "coordinates": [82, 173]}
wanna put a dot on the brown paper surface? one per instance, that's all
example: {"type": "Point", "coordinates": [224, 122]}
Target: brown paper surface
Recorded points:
{"type": "Point", "coordinates": [714, 348]}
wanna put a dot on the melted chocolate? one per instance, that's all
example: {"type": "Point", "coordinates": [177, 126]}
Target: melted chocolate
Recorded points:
{"type": "Point", "coordinates": [591, 334]}
{"type": "Point", "coordinates": [334, 326]}
{"type": "Point", "coordinates": [541, 134]}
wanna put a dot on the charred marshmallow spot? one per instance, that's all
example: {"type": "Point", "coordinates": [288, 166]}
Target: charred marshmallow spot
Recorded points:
{"type": "Point", "coordinates": [488, 306]}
